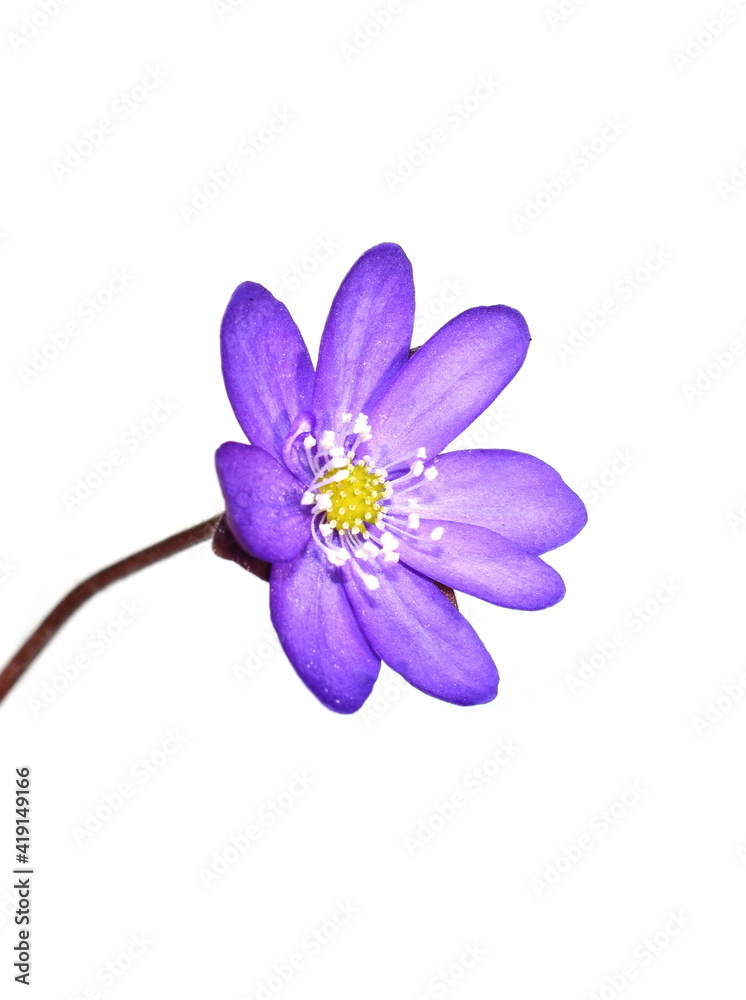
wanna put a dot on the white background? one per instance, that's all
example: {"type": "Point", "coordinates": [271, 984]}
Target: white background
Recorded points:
{"type": "Point", "coordinates": [499, 874]}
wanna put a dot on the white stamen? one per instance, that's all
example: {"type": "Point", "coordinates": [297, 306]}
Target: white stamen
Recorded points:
{"type": "Point", "coordinates": [431, 473]}
{"type": "Point", "coordinates": [323, 502]}
{"type": "Point", "coordinates": [391, 557]}
{"type": "Point", "coordinates": [309, 441]}
{"type": "Point", "coordinates": [326, 530]}
{"type": "Point", "coordinates": [413, 486]}
{"type": "Point", "coordinates": [337, 557]}
{"type": "Point", "coordinates": [361, 425]}
{"type": "Point", "coordinates": [371, 582]}
{"type": "Point", "coordinates": [413, 521]}
{"type": "Point", "coordinates": [400, 532]}
{"type": "Point", "coordinates": [346, 418]}
{"type": "Point", "coordinates": [336, 478]}
{"type": "Point", "coordinates": [418, 468]}
{"type": "Point", "coordinates": [336, 452]}
{"type": "Point", "coordinates": [388, 542]}
{"type": "Point", "coordinates": [308, 498]}
{"type": "Point", "coordinates": [436, 534]}
{"type": "Point", "coordinates": [421, 453]}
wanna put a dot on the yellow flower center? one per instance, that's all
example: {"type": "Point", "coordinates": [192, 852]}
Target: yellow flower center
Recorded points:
{"type": "Point", "coordinates": [356, 499]}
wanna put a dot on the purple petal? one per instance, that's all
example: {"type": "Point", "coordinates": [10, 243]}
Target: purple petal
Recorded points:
{"type": "Point", "coordinates": [482, 563]}
{"type": "Point", "coordinates": [416, 630]}
{"type": "Point", "coordinates": [319, 632]}
{"type": "Point", "coordinates": [516, 495]}
{"type": "Point", "coordinates": [262, 502]}
{"type": "Point", "coordinates": [266, 366]}
{"type": "Point", "coordinates": [449, 382]}
{"type": "Point", "coordinates": [366, 337]}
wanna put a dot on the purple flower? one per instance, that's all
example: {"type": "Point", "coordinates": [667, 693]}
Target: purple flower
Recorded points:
{"type": "Point", "coordinates": [344, 489]}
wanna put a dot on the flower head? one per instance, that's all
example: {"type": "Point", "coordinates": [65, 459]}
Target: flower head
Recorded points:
{"type": "Point", "coordinates": [346, 491]}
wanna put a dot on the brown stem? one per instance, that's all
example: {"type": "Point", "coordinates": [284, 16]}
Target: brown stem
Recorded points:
{"type": "Point", "coordinates": [67, 607]}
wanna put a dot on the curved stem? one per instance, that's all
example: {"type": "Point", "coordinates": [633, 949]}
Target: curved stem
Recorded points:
{"type": "Point", "coordinates": [67, 607]}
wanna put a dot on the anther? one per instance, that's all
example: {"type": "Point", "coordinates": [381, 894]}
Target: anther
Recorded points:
{"type": "Point", "coordinates": [388, 542]}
